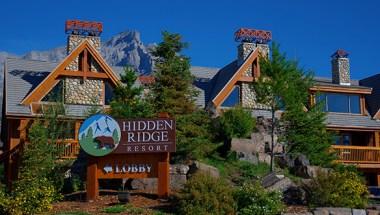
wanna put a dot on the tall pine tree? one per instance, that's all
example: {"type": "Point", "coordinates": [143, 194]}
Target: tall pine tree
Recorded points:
{"type": "Point", "coordinates": [284, 86]}
{"type": "Point", "coordinates": [127, 101]}
{"type": "Point", "coordinates": [172, 91]}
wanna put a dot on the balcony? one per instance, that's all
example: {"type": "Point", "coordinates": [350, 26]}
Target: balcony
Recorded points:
{"type": "Point", "coordinates": [362, 156]}
{"type": "Point", "coordinates": [68, 149]}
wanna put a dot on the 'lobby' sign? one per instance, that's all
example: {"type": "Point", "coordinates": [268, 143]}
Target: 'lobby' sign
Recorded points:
{"type": "Point", "coordinates": [100, 135]}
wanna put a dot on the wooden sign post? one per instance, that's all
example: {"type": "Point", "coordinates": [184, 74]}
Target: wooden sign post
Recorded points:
{"type": "Point", "coordinates": [137, 149]}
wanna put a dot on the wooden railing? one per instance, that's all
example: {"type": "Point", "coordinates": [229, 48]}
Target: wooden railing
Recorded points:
{"type": "Point", "coordinates": [68, 149]}
{"type": "Point", "coordinates": [358, 154]}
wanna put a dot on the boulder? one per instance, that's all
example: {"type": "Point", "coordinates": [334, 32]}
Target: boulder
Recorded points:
{"type": "Point", "coordinates": [148, 185]}
{"type": "Point", "coordinates": [197, 166]}
{"type": "Point", "coordinates": [264, 158]}
{"type": "Point", "coordinates": [332, 211]}
{"type": "Point", "coordinates": [308, 171]}
{"type": "Point", "coordinates": [179, 169]}
{"type": "Point", "coordinates": [248, 156]}
{"type": "Point", "coordinates": [301, 160]}
{"type": "Point", "coordinates": [373, 212]}
{"type": "Point", "coordinates": [295, 195]}
{"type": "Point", "coordinates": [358, 212]}
{"type": "Point", "coordinates": [275, 182]}
{"type": "Point", "coordinates": [177, 182]}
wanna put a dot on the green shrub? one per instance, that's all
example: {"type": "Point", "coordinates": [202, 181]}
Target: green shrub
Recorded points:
{"type": "Point", "coordinates": [31, 196]}
{"type": "Point", "coordinates": [204, 194]}
{"type": "Point", "coordinates": [337, 189]}
{"type": "Point", "coordinates": [194, 136]}
{"type": "Point", "coordinates": [252, 198]}
{"type": "Point", "coordinates": [236, 122]}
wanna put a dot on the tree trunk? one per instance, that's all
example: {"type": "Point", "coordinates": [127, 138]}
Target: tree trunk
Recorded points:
{"type": "Point", "coordinates": [272, 140]}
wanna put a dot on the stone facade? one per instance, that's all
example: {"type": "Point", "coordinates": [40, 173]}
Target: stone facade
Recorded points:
{"type": "Point", "coordinates": [87, 92]}
{"type": "Point", "coordinates": [74, 40]}
{"type": "Point", "coordinates": [244, 50]}
{"type": "Point", "coordinates": [78, 91]}
{"type": "Point", "coordinates": [248, 97]}
{"type": "Point", "coordinates": [340, 70]}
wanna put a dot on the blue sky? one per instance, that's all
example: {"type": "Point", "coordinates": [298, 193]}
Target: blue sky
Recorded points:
{"type": "Point", "coordinates": [309, 31]}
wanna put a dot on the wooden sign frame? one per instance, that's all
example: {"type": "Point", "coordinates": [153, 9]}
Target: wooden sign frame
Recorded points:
{"type": "Point", "coordinates": [160, 170]}
{"type": "Point", "coordinates": [122, 164]}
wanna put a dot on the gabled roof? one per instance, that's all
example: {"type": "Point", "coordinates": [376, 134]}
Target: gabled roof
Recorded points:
{"type": "Point", "coordinates": [52, 79]}
{"type": "Point", "coordinates": [224, 82]}
{"type": "Point", "coordinates": [21, 77]}
{"type": "Point", "coordinates": [373, 100]}
{"type": "Point", "coordinates": [202, 83]}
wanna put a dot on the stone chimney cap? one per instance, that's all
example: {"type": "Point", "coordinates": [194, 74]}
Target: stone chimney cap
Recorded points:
{"type": "Point", "coordinates": [253, 35]}
{"type": "Point", "coordinates": [86, 28]}
{"type": "Point", "coordinates": [340, 53]}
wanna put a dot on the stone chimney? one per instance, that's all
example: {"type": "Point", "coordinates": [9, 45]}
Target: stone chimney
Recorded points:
{"type": "Point", "coordinates": [80, 90]}
{"type": "Point", "coordinates": [250, 39]}
{"type": "Point", "coordinates": [340, 64]}
{"type": "Point", "coordinates": [82, 30]}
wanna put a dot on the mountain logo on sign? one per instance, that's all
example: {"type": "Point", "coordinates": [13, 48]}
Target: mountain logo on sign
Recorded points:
{"type": "Point", "coordinates": [99, 135]}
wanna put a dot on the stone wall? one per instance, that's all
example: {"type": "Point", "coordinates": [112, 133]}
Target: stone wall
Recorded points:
{"type": "Point", "coordinates": [341, 71]}
{"type": "Point", "coordinates": [248, 97]}
{"type": "Point", "coordinates": [79, 91]}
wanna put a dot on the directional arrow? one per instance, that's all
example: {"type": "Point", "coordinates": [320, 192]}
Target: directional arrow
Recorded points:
{"type": "Point", "coordinates": [107, 168]}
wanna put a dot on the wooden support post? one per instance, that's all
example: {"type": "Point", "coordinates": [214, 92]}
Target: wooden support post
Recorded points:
{"type": "Point", "coordinates": [377, 139]}
{"type": "Point", "coordinates": [163, 177]}
{"type": "Point", "coordinates": [378, 179]}
{"type": "Point", "coordinates": [92, 185]}
{"type": "Point", "coordinates": [84, 64]}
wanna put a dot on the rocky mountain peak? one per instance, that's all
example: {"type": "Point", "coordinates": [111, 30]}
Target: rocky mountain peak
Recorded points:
{"type": "Point", "coordinates": [125, 48]}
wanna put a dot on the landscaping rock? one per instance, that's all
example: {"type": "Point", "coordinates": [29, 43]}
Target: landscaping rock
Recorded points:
{"type": "Point", "coordinates": [148, 185]}
{"type": "Point", "coordinates": [373, 212]}
{"type": "Point", "coordinates": [179, 169]}
{"type": "Point", "coordinates": [275, 182]}
{"type": "Point", "coordinates": [203, 168]}
{"type": "Point", "coordinates": [249, 157]}
{"type": "Point", "coordinates": [321, 211]}
{"type": "Point", "coordinates": [308, 171]}
{"type": "Point", "coordinates": [264, 158]}
{"type": "Point", "coordinates": [332, 211]}
{"type": "Point", "coordinates": [177, 182]}
{"type": "Point", "coordinates": [295, 195]}
{"type": "Point", "coordinates": [269, 179]}
{"type": "Point", "coordinates": [358, 212]}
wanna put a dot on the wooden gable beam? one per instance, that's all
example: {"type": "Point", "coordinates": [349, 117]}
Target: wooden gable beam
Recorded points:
{"type": "Point", "coordinates": [83, 74]}
{"type": "Point", "coordinates": [52, 79]}
{"type": "Point", "coordinates": [222, 95]}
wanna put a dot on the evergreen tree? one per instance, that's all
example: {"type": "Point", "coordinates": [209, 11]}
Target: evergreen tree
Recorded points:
{"type": "Point", "coordinates": [283, 86]}
{"type": "Point", "coordinates": [172, 91]}
{"type": "Point", "coordinates": [127, 101]}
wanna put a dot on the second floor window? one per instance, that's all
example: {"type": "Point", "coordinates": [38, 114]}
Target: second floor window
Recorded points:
{"type": "Point", "coordinates": [233, 99]}
{"type": "Point", "coordinates": [341, 103]}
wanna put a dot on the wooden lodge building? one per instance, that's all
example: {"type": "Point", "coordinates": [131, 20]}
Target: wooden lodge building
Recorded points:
{"type": "Point", "coordinates": [84, 80]}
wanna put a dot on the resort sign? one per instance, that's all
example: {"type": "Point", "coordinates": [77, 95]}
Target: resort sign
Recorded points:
{"type": "Point", "coordinates": [127, 148]}
{"type": "Point", "coordinates": [101, 135]}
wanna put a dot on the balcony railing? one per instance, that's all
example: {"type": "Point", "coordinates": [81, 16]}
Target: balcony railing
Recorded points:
{"type": "Point", "coordinates": [68, 149]}
{"type": "Point", "coordinates": [358, 154]}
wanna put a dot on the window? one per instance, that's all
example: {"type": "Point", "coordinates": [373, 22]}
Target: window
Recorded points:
{"type": "Point", "coordinates": [341, 103]}
{"type": "Point", "coordinates": [343, 139]}
{"type": "Point", "coordinates": [233, 99]}
{"type": "Point", "coordinates": [108, 93]}
{"type": "Point", "coordinates": [55, 94]}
